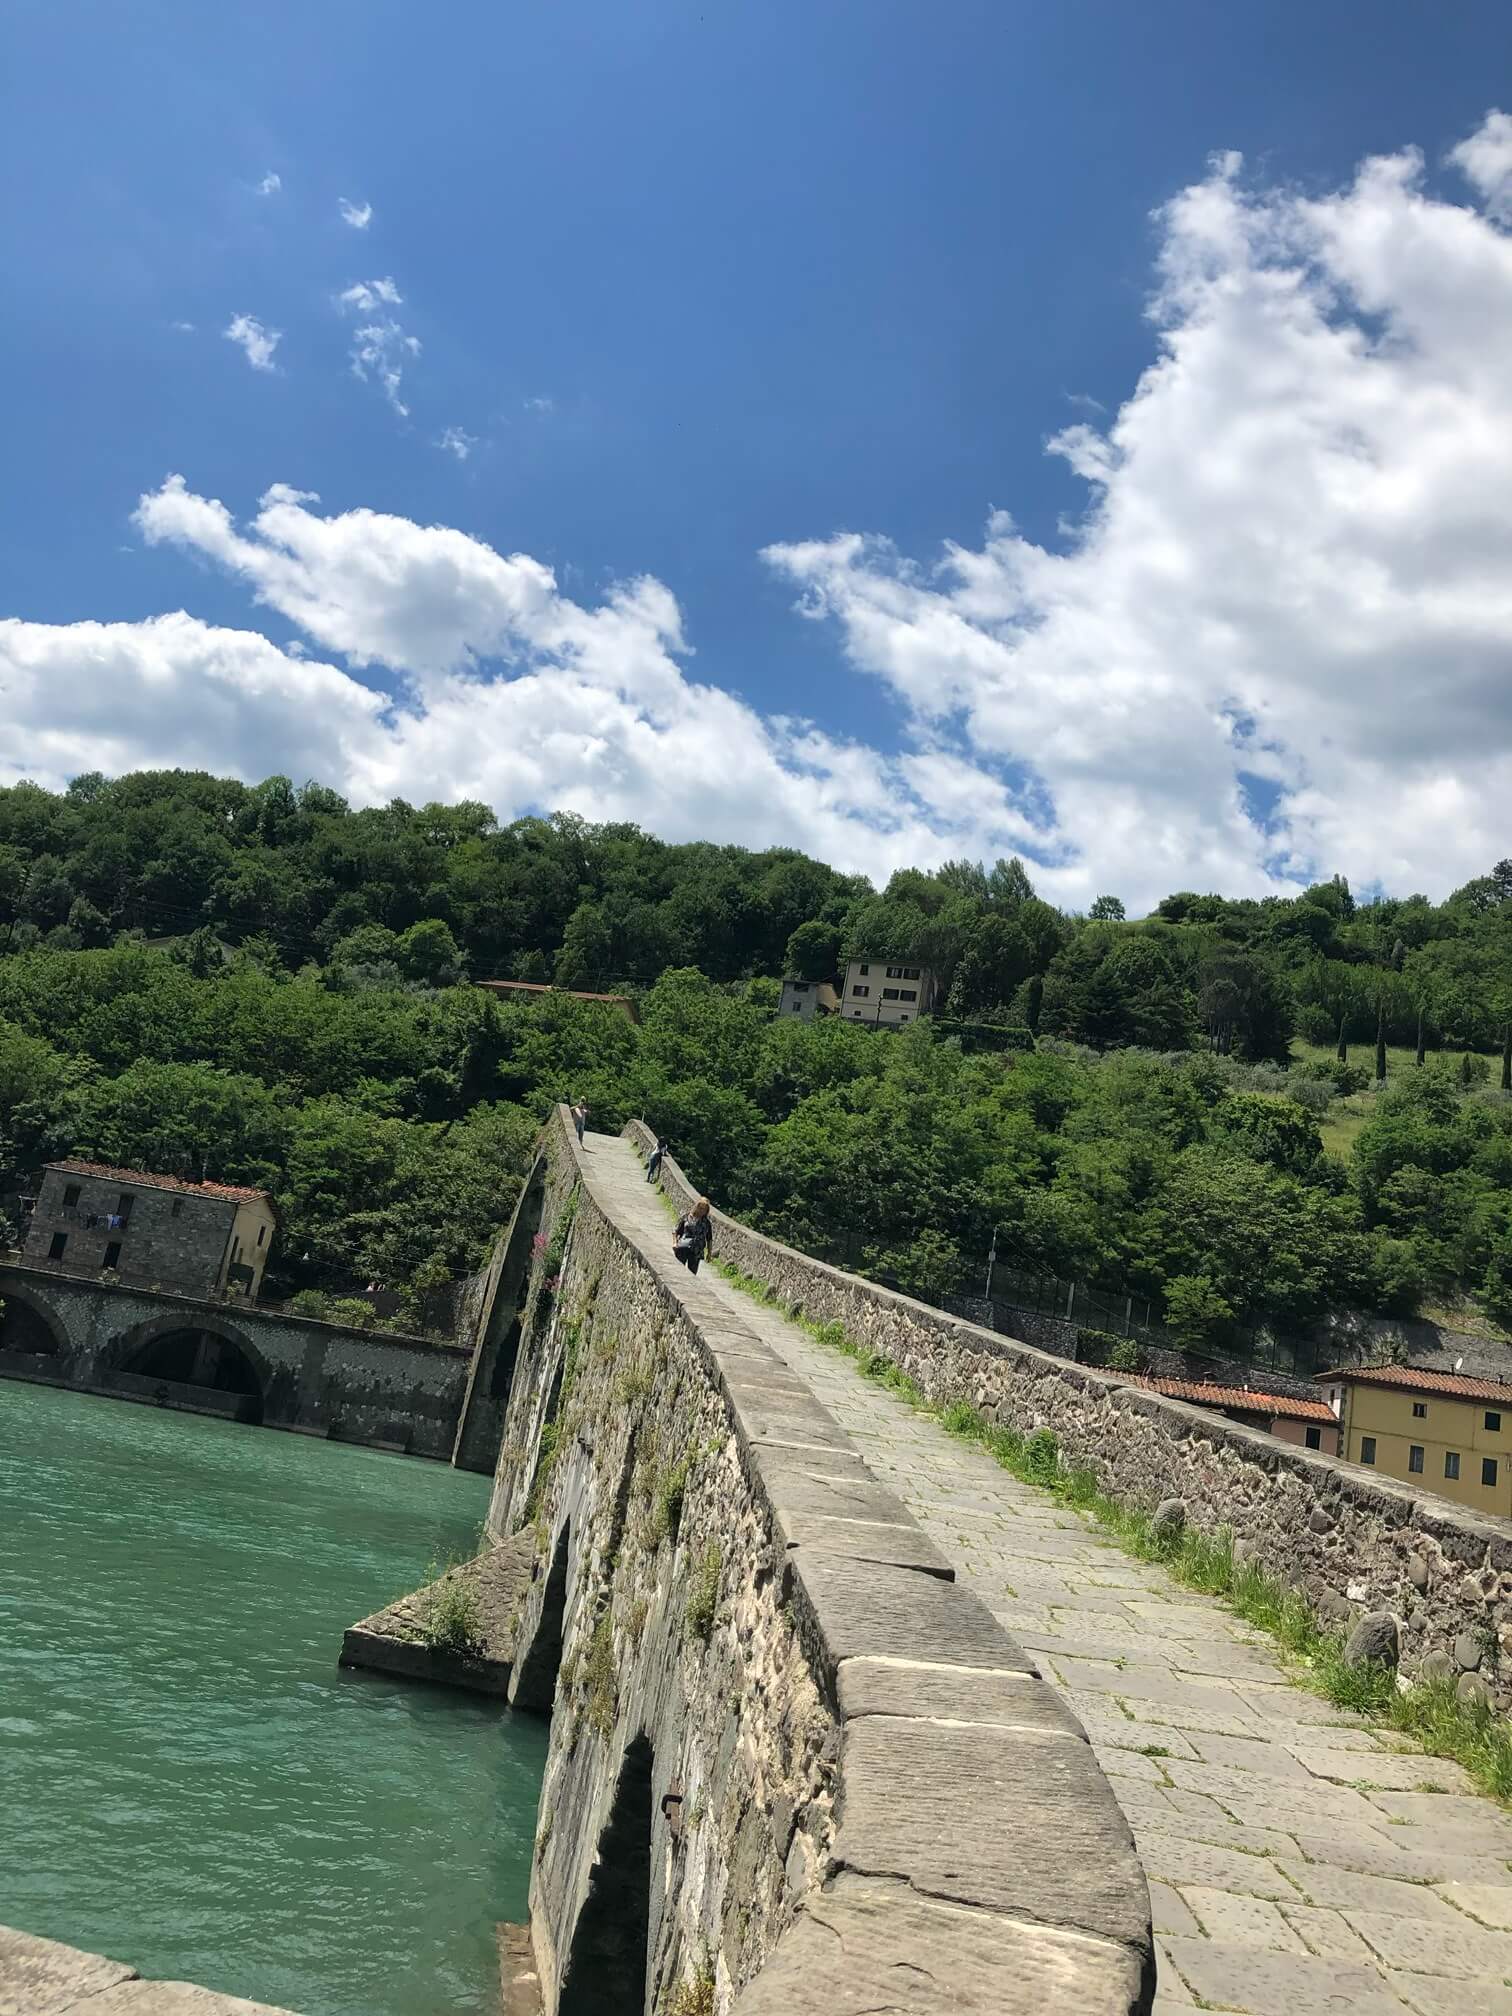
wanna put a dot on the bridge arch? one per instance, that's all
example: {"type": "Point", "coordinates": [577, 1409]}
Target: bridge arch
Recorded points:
{"type": "Point", "coordinates": [29, 1323]}
{"type": "Point", "coordinates": [191, 1348]}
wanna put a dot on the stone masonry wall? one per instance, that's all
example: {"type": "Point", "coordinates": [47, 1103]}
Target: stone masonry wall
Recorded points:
{"type": "Point", "coordinates": [791, 1760]}
{"type": "Point", "coordinates": [1349, 1540]}
{"type": "Point", "coordinates": [172, 1236]}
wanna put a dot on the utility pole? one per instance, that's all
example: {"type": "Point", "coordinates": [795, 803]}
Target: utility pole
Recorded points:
{"type": "Point", "coordinates": [991, 1263]}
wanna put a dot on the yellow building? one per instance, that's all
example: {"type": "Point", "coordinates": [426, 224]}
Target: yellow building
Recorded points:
{"type": "Point", "coordinates": [1441, 1431]}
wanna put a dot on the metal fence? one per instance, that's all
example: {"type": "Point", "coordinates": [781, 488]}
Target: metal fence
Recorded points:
{"type": "Point", "coordinates": [998, 1296]}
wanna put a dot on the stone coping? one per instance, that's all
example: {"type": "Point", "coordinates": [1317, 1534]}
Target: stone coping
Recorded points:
{"type": "Point", "coordinates": [41, 1977]}
{"type": "Point", "coordinates": [978, 1841]}
{"type": "Point", "coordinates": [1372, 1540]}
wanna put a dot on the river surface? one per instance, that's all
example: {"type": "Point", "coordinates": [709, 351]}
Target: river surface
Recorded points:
{"type": "Point", "coordinates": [187, 1782]}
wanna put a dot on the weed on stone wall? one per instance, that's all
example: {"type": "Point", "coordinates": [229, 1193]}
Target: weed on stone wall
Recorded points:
{"type": "Point", "coordinates": [694, 1996]}
{"type": "Point", "coordinates": [1429, 1713]}
{"type": "Point", "coordinates": [703, 1592]}
{"type": "Point", "coordinates": [600, 1682]}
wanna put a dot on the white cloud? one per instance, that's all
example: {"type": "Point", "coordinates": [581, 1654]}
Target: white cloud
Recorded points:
{"type": "Point", "coordinates": [368, 296]}
{"type": "Point", "coordinates": [358, 215]}
{"type": "Point", "coordinates": [1291, 575]}
{"type": "Point", "coordinates": [270, 185]}
{"type": "Point", "coordinates": [542, 403]}
{"type": "Point", "coordinates": [257, 343]}
{"type": "Point", "coordinates": [1485, 160]}
{"type": "Point", "coordinates": [457, 441]}
{"type": "Point", "coordinates": [1289, 582]}
{"type": "Point", "coordinates": [183, 328]}
{"type": "Point", "coordinates": [506, 689]}
{"type": "Point", "coordinates": [380, 350]}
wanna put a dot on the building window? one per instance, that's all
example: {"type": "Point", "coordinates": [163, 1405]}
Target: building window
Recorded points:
{"type": "Point", "coordinates": [1493, 1423]}
{"type": "Point", "coordinates": [176, 1208]}
{"type": "Point", "coordinates": [1451, 1464]}
{"type": "Point", "coordinates": [113, 1253]}
{"type": "Point", "coordinates": [889, 993]}
{"type": "Point", "coordinates": [1420, 1410]}
{"type": "Point", "coordinates": [908, 993]}
{"type": "Point", "coordinates": [59, 1242]}
{"type": "Point", "coordinates": [70, 1195]}
{"type": "Point", "coordinates": [1415, 1459]}
{"type": "Point", "coordinates": [123, 1208]}
{"type": "Point", "coordinates": [799, 986]}
{"type": "Point", "coordinates": [902, 1018]}
{"type": "Point", "coordinates": [1488, 1469]}
{"type": "Point", "coordinates": [1314, 1438]}
{"type": "Point", "coordinates": [860, 991]}
{"type": "Point", "coordinates": [261, 1233]}
{"type": "Point", "coordinates": [865, 968]}
{"type": "Point", "coordinates": [1367, 1448]}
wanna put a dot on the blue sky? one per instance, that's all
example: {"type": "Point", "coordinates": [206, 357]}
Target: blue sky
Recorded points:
{"type": "Point", "coordinates": [696, 282]}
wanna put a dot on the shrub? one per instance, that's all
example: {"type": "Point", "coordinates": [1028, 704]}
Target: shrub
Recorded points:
{"type": "Point", "coordinates": [450, 1620]}
{"type": "Point", "coordinates": [353, 1311]}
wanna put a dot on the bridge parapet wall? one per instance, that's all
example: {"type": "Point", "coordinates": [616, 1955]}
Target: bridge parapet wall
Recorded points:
{"type": "Point", "coordinates": [792, 1761]}
{"type": "Point", "coordinates": [1349, 1541]}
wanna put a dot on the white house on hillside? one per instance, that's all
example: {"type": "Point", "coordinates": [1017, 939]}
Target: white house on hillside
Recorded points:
{"type": "Point", "coordinates": [889, 995]}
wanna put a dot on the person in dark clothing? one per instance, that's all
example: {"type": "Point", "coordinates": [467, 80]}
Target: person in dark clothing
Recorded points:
{"type": "Point", "coordinates": [654, 1160]}
{"type": "Point", "coordinates": [693, 1239]}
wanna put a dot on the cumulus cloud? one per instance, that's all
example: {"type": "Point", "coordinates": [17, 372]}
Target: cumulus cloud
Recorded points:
{"type": "Point", "coordinates": [256, 343]}
{"type": "Point", "coordinates": [270, 184]}
{"type": "Point", "coordinates": [1276, 640]}
{"type": "Point", "coordinates": [496, 686]}
{"type": "Point", "coordinates": [1485, 160]}
{"type": "Point", "coordinates": [358, 215]}
{"type": "Point", "coordinates": [1279, 638]}
{"type": "Point", "coordinates": [457, 441]}
{"type": "Point", "coordinates": [541, 403]}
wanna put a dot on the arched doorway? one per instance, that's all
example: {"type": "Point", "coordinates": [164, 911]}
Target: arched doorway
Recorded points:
{"type": "Point", "coordinates": [28, 1327]}
{"type": "Point", "coordinates": [189, 1365]}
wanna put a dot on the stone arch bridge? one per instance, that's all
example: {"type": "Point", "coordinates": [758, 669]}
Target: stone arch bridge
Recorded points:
{"type": "Point", "coordinates": [231, 1359]}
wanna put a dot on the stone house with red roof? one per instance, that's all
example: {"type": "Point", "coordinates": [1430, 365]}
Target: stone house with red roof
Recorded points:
{"type": "Point", "coordinates": [160, 1231]}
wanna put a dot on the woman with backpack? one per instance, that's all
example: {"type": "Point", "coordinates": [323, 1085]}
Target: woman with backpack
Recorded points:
{"type": "Point", "coordinates": [693, 1240]}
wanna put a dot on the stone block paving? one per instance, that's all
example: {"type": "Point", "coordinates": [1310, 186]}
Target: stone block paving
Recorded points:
{"type": "Point", "coordinates": [1299, 1861]}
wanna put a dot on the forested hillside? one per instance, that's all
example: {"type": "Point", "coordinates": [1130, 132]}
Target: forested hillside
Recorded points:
{"type": "Point", "coordinates": [260, 984]}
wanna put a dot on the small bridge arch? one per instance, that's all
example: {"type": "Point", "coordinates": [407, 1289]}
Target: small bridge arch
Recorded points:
{"type": "Point", "coordinates": [198, 1348]}
{"type": "Point", "coordinates": [30, 1325]}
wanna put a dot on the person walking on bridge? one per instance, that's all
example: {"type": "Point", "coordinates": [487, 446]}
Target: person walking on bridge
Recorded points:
{"type": "Point", "coordinates": [654, 1160]}
{"type": "Point", "coordinates": [693, 1240]}
{"type": "Point", "coordinates": [580, 1119]}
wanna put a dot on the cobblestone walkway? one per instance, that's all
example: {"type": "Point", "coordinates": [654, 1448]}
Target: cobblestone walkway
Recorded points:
{"type": "Point", "coordinates": [1299, 1863]}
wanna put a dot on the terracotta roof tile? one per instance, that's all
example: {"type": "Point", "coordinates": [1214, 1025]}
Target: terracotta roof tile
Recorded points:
{"type": "Point", "coordinates": [1284, 1405]}
{"type": "Point", "coordinates": [232, 1193]}
{"type": "Point", "coordinates": [1425, 1379]}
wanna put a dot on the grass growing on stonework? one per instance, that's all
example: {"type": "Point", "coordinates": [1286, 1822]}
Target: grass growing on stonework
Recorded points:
{"type": "Point", "coordinates": [449, 1619]}
{"type": "Point", "coordinates": [1429, 1713]}
{"type": "Point", "coordinates": [695, 1996]}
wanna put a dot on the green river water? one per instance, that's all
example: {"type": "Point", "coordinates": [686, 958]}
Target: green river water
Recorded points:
{"type": "Point", "coordinates": [187, 1781]}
